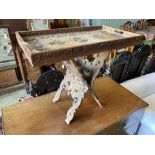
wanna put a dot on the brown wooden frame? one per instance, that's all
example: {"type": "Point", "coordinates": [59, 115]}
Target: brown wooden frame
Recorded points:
{"type": "Point", "coordinates": [9, 73]}
{"type": "Point", "coordinates": [29, 21]}
{"type": "Point", "coordinates": [11, 39]}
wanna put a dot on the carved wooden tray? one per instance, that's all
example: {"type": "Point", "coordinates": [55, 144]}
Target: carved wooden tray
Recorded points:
{"type": "Point", "coordinates": [47, 46]}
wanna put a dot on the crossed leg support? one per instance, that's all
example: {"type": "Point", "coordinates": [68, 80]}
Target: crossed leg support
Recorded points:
{"type": "Point", "coordinates": [77, 85]}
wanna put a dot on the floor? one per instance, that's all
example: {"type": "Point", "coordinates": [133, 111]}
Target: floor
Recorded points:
{"type": "Point", "coordinates": [11, 98]}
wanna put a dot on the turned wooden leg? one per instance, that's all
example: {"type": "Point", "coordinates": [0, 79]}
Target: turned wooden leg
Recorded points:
{"type": "Point", "coordinates": [20, 63]}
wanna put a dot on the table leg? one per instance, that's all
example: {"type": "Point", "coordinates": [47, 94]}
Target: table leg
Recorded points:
{"type": "Point", "coordinates": [19, 58]}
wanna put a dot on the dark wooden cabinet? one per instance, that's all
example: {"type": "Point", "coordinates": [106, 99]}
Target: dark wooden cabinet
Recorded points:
{"type": "Point", "coordinates": [127, 126]}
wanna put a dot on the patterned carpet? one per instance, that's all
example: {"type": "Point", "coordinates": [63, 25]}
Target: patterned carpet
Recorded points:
{"type": "Point", "coordinates": [1, 126]}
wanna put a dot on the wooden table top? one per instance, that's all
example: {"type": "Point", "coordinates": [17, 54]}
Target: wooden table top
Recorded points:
{"type": "Point", "coordinates": [41, 116]}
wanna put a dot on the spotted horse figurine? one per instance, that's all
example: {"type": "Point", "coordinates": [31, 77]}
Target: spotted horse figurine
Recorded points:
{"type": "Point", "coordinates": [79, 78]}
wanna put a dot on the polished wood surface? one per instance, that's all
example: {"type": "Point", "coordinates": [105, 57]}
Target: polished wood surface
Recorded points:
{"type": "Point", "coordinates": [42, 116]}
